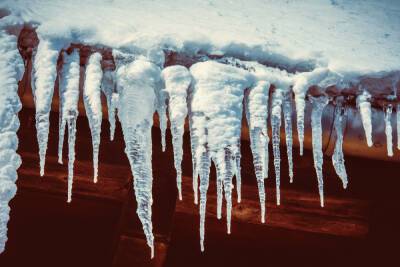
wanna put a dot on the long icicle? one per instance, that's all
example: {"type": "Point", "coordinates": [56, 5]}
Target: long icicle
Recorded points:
{"type": "Point", "coordinates": [44, 73]}
{"type": "Point", "coordinates": [276, 119]}
{"type": "Point", "coordinates": [177, 80]}
{"type": "Point", "coordinates": [388, 130]}
{"type": "Point", "coordinates": [256, 104]}
{"type": "Point", "coordinates": [318, 105]}
{"type": "Point", "coordinates": [337, 156]}
{"type": "Point", "coordinates": [92, 102]}
{"type": "Point", "coordinates": [287, 115]}
{"type": "Point", "coordinates": [69, 96]}
{"type": "Point", "coordinates": [364, 107]}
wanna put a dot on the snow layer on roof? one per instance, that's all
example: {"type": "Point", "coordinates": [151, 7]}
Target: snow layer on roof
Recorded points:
{"type": "Point", "coordinates": [360, 36]}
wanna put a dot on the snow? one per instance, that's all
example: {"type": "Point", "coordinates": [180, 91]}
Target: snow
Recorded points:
{"type": "Point", "coordinates": [11, 70]}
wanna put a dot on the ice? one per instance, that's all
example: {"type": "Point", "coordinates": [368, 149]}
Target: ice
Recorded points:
{"type": "Point", "coordinates": [137, 82]}
{"type": "Point", "coordinates": [364, 107]}
{"type": "Point", "coordinates": [302, 82]}
{"type": "Point", "coordinates": [109, 89]}
{"type": "Point", "coordinates": [337, 156]}
{"type": "Point", "coordinates": [177, 80]}
{"type": "Point", "coordinates": [11, 70]}
{"type": "Point", "coordinates": [318, 105]}
{"type": "Point", "coordinates": [276, 118]}
{"type": "Point", "coordinates": [92, 102]}
{"type": "Point", "coordinates": [69, 96]}
{"type": "Point", "coordinates": [44, 73]}
{"type": "Point", "coordinates": [287, 115]}
{"type": "Point", "coordinates": [388, 130]}
{"type": "Point", "coordinates": [256, 104]}
{"type": "Point", "coordinates": [215, 117]}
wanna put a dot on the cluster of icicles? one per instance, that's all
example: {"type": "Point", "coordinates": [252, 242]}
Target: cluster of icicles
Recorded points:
{"type": "Point", "coordinates": [210, 93]}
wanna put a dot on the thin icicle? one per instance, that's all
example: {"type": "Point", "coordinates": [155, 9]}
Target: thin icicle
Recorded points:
{"type": "Point", "coordinates": [388, 130]}
{"type": "Point", "coordinates": [44, 73]}
{"type": "Point", "coordinates": [69, 96]}
{"type": "Point", "coordinates": [337, 156]}
{"type": "Point", "coordinates": [300, 88]}
{"type": "Point", "coordinates": [92, 102]}
{"type": "Point", "coordinates": [11, 71]}
{"type": "Point", "coordinates": [276, 118]}
{"type": "Point", "coordinates": [364, 106]}
{"type": "Point", "coordinates": [177, 80]}
{"type": "Point", "coordinates": [256, 103]}
{"type": "Point", "coordinates": [318, 105]}
{"type": "Point", "coordinates": [287, 115]}
{"type": "Point", "coordinates": [398, 125]}
{"type": "Point", "coordinates": [109, 89]}
{"type": "Point", "coordinates": [137, 83]}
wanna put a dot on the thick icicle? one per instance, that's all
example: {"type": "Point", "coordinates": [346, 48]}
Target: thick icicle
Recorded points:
{"type": "Point", "coordinates": [276, 118]}
{"type": "Point", "coordinates": [44, 73]}
{"type": "Point", "coordinates": [337, 156]}
{"type": "Point", "coordinates": [215, 115]}
{"type": "Point", "coordinates": [300, 88]}
{"type": "Point", "coordinates": [11, 70]}
{"type": "Point", "coordinates": [177, 80]}
{"type": "Point", "coordinates": [364, 106]}
{"type": "Point", "coordinates": [110, 91]}
{"type": "Point", "coordinates": [92, 102]}
{"type": "Point", "coordinates": [287, 115]}
{"type": "Point", "coordinates": [69, 96]}
{"type": "Point", "coordinates": [388, 130]}
{"type": "Point", "coordinates": [137, 83]}
{"type": "Point", "coordinates": [256, 103]}
{"type": "Point", "coordinates": [318, 105]}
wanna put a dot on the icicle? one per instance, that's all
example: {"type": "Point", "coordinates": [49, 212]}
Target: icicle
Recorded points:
{"type": "Point", "coordinates": [215, 121]}
{"type": "Point", "coordinates": [256, 103]}
{"type": "Point", "coordinates": [398, 125]}
{"type": "Point", "coordinates": [92, 102]}
{"type": "Point", "coordinates": [137, 83]}
{"type": "Point", "coordinates": [177, 80]}
{"type": "Point", "coordinates": [11, 70]}
{"type": "Point", "coordinates": [318, 105]}
{"type": "Point", "coordinates": [287, 114]}
{"type": "Point", "coordinates": [388, 130]}
{"type": "Point", "coordinates": [69, 96]}
{"type": "Point", "coordinates": [276, 110]}
{"type": "Point", "coordinates": [365, 111]}
{"type": "Point", "coordinates": [300, 88]}
{"type": "Point", "coordinates": [338, 157]}
{"type": "Point", "coordinates": [44, 73]}
{"type": "Point", "coordinates": [109, 89]}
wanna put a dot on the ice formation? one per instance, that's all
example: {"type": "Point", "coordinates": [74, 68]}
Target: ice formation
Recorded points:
{"type": "Point", "coordinates": [11, 70]}
{"type": "Point", "coordinates": [318, 105]}
{"type": "Point", "coordinates": [92, 102]}
{"type": "Point", "coordinates": [177, 80]}
{"type": "Point", "coordinates": [137, 83]}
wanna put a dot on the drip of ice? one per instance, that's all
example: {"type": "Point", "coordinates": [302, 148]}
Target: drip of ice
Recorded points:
{"type": "Point", "coordinates": [318, 105]}
{"type": "Point", "coordinates": [109, 89]}
{"type": "Point", "coordinates": [11, 70]}
{"type": "Point", "coordinates": [137, 82]}
{"type": "Point", "coordinates": [256, 104]}
{"type": "Point", "coordinates": [276, 118]}
{"type": "Point", "coordinates": [44, 73]}
{"type": "Point", "coordinates": [69, 96]}
{"type": "Point", "coordinates": [337, 156]}
{"type": "Point", "coordinates": [302, 82]}
{"type": "Point", "coordinates": [287, 115]}
{"type": "Point", "coordinates": [177, 80]}
{"type": "Point", "coordinates": [215, 118]}
{"type": "Point", "coordinates": [92, 102]}
{"type": "Point", "coordinates": [388, 130]}
{"type": "Point", "coordinates": [364, 106]}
